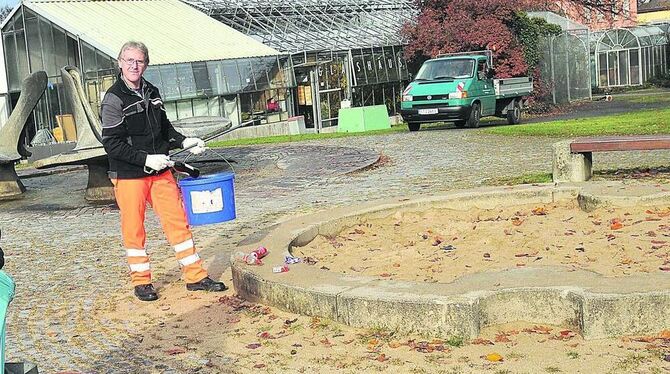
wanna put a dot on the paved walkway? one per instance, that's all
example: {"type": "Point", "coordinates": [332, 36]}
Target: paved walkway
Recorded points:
{"type": "Point", "coordinates": [66, 258]}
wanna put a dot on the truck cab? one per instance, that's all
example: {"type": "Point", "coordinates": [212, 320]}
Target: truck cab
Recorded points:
{"type": "Point", "coordinates": [461, 88]}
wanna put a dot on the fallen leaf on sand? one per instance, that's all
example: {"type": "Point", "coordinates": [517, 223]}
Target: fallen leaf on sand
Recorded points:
{"type": "Point", "coordinates": [615, 224]}
{"type": "Point", "coordinates": [253, 345]}
{"type": "Point", "coordinates": [538, 330]}
{"type": "Point", "coordinates": [481, 341]}
{"type": "Point", "coordinates": [382, 357]}
{"type": "Point", "coordinates": [394, 344]}
{"type": "Point", "coordinates": [502, 338]}
{"type": "Point", "coordinates": [266, 335]}
{"type": "Point", "coordinates": [493, 357]}
{"type": "Point", "coordinates": [565, 335]}
{"type": "Point", "coordinates": [175, 351]}
{"type": "Point", "coordinates": [665, 334]}
{"type": "Point", "coordinates": [516, 221]}
{"type": "Point", "coordinates": [259, 366]}
{"type": "Point", "coordinates": [539, 211]}
{"type": "Point", "coordinates": [326, 342]}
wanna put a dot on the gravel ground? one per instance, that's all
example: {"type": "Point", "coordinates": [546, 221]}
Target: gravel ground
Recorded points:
{"type": "Point", "coordinates": [66, 258]}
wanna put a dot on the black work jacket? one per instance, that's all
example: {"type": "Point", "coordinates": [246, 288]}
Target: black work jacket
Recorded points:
{"type": "Point", "coordinates": [135, 125]}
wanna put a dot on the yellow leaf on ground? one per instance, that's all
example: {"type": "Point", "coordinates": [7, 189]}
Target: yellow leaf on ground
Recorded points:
{"type": "Point", "coordinates": [494, 357]}
{"type": "Point", "coordinates": [394, 344]}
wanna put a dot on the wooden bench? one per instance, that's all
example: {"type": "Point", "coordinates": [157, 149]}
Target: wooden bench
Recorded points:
{"type": "Point", "coordinates": [573, 159]}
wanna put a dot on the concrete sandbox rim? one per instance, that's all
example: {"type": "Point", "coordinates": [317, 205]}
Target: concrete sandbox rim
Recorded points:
{"type": "Point", "coordinates": [591, 304]}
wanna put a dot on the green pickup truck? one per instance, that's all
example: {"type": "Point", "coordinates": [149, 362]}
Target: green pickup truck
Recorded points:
{"type": "Point", "coordinates": [460, 88]}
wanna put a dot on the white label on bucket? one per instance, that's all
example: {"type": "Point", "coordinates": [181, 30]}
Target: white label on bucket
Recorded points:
{"type": "Point", "coordinates": [206, 201]}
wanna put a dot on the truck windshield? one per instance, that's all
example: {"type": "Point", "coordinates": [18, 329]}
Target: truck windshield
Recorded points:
{"type": "Point", "coordinates": [446, 69]}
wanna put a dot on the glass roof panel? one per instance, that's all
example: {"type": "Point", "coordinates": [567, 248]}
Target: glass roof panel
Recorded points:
{"type": "Point", "coordinates": [297, 25]}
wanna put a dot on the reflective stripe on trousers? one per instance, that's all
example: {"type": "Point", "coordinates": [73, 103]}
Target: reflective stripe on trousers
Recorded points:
{"type": "Point", "coordinates": [162, 193]}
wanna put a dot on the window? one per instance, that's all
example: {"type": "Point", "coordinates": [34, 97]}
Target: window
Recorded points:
{"type": "Point", "coordinates": [482, 69]}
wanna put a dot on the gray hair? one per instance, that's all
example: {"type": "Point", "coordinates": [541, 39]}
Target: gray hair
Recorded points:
{"type": "Point", "coordinates": [135, 45]}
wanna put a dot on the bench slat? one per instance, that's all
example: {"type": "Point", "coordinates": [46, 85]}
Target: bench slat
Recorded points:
{"type": "Point", "coordinates": [620, 143]}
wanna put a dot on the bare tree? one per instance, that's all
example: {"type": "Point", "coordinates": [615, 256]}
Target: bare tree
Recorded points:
{"type": "Point", "coordinates": [4, 12]}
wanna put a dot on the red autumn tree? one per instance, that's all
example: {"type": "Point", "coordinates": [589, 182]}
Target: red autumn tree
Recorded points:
{"type": "Point", "coordinates": [444, 26]}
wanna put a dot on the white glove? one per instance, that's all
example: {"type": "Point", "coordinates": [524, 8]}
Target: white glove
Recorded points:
{"type": "Point", "coordinates": [158, 162]}
{"type": "Point", "coordinates": [197, 144]}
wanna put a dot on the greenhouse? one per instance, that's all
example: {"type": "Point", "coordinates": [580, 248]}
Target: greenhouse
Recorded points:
{"type": "Point", "coordinates": [625, 57]}
{"type": "Point", "coordinates": [343, 52]}
{"type": "Point", "coordinates": [222, 73]}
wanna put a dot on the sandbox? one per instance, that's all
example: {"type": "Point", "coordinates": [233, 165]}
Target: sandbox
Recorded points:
{"type": "Point", "coordinates": [593, 258]}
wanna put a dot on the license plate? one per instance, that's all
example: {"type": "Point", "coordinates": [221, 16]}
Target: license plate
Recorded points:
{"type": "Point", "coordinates": [428, 111]}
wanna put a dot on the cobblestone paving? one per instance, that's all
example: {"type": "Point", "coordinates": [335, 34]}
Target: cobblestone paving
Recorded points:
{"type": "Point", "coordinates": [66, 258]}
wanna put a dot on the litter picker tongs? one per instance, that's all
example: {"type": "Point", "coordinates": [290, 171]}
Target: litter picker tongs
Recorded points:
{"type": "Point", "coordinates": [193, 172]}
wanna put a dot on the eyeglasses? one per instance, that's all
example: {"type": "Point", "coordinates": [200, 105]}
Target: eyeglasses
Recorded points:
{"type": "Point", "coordinates": [132, 61]}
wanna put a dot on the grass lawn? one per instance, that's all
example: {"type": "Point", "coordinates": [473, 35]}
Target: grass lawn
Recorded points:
{"type": "Point", "coordinates": [649, 99]}
{"type": "Point", "coordinates": [644, 122]}
{"type": "Point", "coordinates": [303, 137]}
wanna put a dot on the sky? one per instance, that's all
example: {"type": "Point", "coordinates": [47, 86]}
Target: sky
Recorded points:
{"type": "Point", "coordinates": [11, 3]}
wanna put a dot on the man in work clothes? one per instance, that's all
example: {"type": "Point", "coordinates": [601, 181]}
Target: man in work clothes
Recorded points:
{"type": "Point", "coordinates": [137, 136]}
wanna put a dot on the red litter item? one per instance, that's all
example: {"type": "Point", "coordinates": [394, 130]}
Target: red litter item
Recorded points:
{"type": "Point", "coordinates": [280, 269]}
{"type": "Point", "coordinates": [261, 252]}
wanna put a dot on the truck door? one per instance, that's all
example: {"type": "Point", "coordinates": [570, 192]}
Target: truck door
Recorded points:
{"type": "Point", "coordinates": [488, 97]}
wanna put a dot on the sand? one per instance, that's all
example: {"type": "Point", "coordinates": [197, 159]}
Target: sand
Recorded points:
{"type": "Point", "coordinates": [221, 333]}
{"type": "Point", "coordinates": [442, 245]}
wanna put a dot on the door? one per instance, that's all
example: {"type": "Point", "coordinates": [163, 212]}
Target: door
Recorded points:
{"type": "Point", "coordinates": [488, 95]}
{"type": "Point", "coordinates": [305, 94]}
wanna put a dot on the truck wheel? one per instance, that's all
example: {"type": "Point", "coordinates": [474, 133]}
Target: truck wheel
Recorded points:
{"type": "Point", "coordinates": [514, 115]}
{"type": "Point", "coordinates": [413, 126]}
{"type": "Point", "coordinates": [475, 115]}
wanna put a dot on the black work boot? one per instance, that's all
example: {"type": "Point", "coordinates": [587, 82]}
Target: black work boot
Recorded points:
{"type": "Point", "coordinates": [206, 284]}
{"type": "Point", "coordinates": [146, 292]}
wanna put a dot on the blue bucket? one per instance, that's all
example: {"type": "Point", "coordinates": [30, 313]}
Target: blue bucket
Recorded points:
{"type": "Point", "coordinates": [209, 199]}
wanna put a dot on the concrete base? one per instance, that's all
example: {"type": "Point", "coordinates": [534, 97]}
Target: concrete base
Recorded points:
{"type": "Point", "coordinates": [99, 188]}
{"type": "Point", "coordinates": [595, 305]}
{"type": "Point", "coordinates": [10, 184]}
{"type": "Point", "coordinates": [568, 166]}
{"type": "Point", "coordinates": [296, 125]}
{"type": "Point", "coordinates": [40, 152]}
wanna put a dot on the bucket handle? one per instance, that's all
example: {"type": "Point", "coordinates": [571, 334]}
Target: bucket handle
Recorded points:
{"type": "Point", "coordinates": [215, 135]}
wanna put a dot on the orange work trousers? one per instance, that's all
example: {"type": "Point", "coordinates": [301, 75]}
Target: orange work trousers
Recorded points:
{"type": "Point", "coordinates": [162, 193]}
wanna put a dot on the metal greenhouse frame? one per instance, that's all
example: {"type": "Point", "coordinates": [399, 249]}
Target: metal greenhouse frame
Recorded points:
{"type": "Point", "coordinates": [343, 52]}
{"type": "Point", "coordinates": [306, 25]}
{"type": "Point", "coordinates": [628, 57]}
